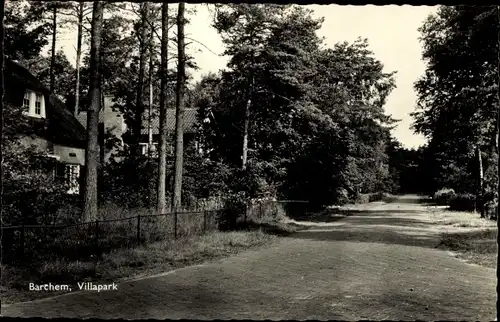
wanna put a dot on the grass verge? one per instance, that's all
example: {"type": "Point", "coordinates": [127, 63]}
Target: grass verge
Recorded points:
{"type": "Point", "coordinates": [145, 260]}
{"type": "Point", "coordinates": [476, 244]}
{"type": "Point", "coordinates": [447, 217]}
{"type": "Point", "coordinates": [477, 247]}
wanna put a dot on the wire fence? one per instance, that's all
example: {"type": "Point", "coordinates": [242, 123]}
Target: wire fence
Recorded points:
{"type": "Point", "coordinates": [25, 244]}
{"type": "Point", "coordinates": [260, 209]}
{"type": "Point", "coordinates": [30, 245]}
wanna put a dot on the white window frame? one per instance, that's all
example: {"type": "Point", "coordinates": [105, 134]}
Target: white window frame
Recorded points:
{"type": "Point", "coordinates": [32, 108]}
{"type": "Point", "coordinates": [38, 100]}
{"type": "Point", "coordinates": [27, 96]}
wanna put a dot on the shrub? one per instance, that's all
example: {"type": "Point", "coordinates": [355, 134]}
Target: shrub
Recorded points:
{"type": "Point", "coordinates": [463, 202]}
{"type": "Point", "coordinates": [234, 208]}
{"type": "Point", "coordinates": [372, 197]}
{"type": "Point", "coordinates": [490, 209]}
{"type": "Point", "coordinates": [363, 198]}
{"type": "Point", "coordinates": [443, 197]}
{"type": "Point", "coordinates": [118, 186]}
{"type": "Point", "coordinates": [378, 196]}
{"type": "Point", "coordinates": [31, 195]}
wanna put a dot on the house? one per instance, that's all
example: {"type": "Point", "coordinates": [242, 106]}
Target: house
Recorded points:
{"type": "Point", "coordinates": [111, 125]}
{"type": "Point", "coordinates": [147, 136]}
{"type": "Point", "coordinates": [54, 129]}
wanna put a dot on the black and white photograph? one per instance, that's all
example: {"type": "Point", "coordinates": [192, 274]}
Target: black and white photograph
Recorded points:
{"type": "Point", "coordinates": [249, 161]}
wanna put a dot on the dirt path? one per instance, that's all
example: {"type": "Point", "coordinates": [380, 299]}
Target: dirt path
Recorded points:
{"type": "Point", "coordinates": [378, 263]}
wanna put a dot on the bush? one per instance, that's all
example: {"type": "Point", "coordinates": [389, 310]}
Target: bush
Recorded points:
{"type": "Point", "coordinates": [31, 195]}
{"type": "Point", "coordinates": [443, 197]}
{"type": "Point", "coordinates": [234, 208]}
{"type": "Point", "coordinates": [371, 197]}
{"type": "Point", "coordinates": [378, 196]}
{"type": "Point", "coordinates": [130, 183]}
{"type": "Point", "coordinates": [363, 198]}
{"type": "Point", "coordinates": [463, 202]}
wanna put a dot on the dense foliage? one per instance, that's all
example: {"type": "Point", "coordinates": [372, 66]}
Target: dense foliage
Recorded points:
{"type": "Point", "coordinates": [27, 197]}
{"type": "Point", "coordinates": [317, 129]}
{"type": "Point", "coordinates": [458, 98]}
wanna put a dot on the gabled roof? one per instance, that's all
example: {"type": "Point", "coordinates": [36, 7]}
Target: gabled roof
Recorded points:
{"type": "Point", "coordinates": [190, 121]}
{"type": "Point", "coordinates": [62, 127]}
{"type": "Point", "coordinates": [107, 116]}
{"type": "Point", "coordinates": [82, 116]}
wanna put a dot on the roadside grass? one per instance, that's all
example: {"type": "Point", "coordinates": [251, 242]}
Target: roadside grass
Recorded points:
{"type": "Point", "coordinates": [477, 247]}
{"type": "Point", "coordinates": [464, 219]}
{"type": "Point", "coordinates": [475, 238]}
{"type": "Point", "coordinates": [154, 257]}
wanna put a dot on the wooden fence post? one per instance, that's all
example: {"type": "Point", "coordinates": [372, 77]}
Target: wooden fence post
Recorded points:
{"type": "Point", "coordinates": [175, 224]}
{"type": "Point", "coordinates": [96, 240]}
{"type": "Point", "coordinates": [138, 230]}
{"type": "Point", "coordinates": [22, 241]}
{"type": "Point", "coordinates": [204, 221]}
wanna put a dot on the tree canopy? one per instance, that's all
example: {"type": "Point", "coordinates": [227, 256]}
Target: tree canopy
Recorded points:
{"type": "Point", "coordinates": [457, 101]}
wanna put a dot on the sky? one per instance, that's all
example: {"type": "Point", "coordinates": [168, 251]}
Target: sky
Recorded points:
{"type": "Point", "coordinates": [392, 33]}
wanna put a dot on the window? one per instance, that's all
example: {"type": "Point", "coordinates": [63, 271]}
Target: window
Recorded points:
{"type": "Point", "coordinates": [38, 104]}
{"type": "Point", "coordinates": [154, 150]}
{"type": "Point", "coordinates": [68, 174]}
{"type": "Point", "coordinates": [144, 148]}
{"type": "Point", "coordinates": [59, 172]}
{"type": "Point", "coordinates": [26, 101]}
{"type": "Point", "coordinates": [33, 104]}
{"type": "Point", "coordinates": [72, 174]}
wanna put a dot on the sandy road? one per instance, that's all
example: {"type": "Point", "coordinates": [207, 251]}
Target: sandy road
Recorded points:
{"type": "Point", "coordinates": [378, 263]}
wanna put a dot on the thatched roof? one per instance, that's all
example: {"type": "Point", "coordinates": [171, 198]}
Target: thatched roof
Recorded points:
{"type": "Point", "coordinates": [61, 126]}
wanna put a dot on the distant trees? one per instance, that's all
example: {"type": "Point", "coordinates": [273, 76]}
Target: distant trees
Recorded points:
{"type": "Point", "coordinates": [407, 169]}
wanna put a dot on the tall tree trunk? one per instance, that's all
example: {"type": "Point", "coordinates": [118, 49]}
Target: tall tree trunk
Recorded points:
{"type": "Point", "coordinates": [140, 85]}
{"type": "Point", "coordinates": [92, 151]}
{"type": "Point", "coordinates": [2, 50]}
{"type": "Point", "coordinates": [498, 169]}
{"type": "Point", "coordinates": [150, 112]}
{"type": "Point", "coordinates": [480, 181]}
{"type": "Point", "coordinates": [102, 125]}
{"type": "Point", "coordinates": [53, 57]}
{"type": "Point", "coordinates": [150, 80]}
{"type": "Point", "coordinates": [78, 57]}
{"type": "Point", "coordinates": [162, 144]}
{"type": "Point", "coordinates": [245, 134]}
{"type": "Point", "coordinates": [179, 124]}
{"type": "Point", "coordinates": [246, 122]}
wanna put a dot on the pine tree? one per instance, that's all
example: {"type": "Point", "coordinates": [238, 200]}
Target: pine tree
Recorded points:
{"type": "Point", "coordinates": [92, 152]}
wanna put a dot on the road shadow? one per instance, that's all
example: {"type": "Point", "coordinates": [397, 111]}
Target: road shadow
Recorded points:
{"type": "Point", "coordinates": [390, 226]}
{"type": "Point", "coordinates": [411, 199]}
{"type": "Point", "coordinates": [333, 215]}
{"type": "Point", "coordinates": [365, 235]}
